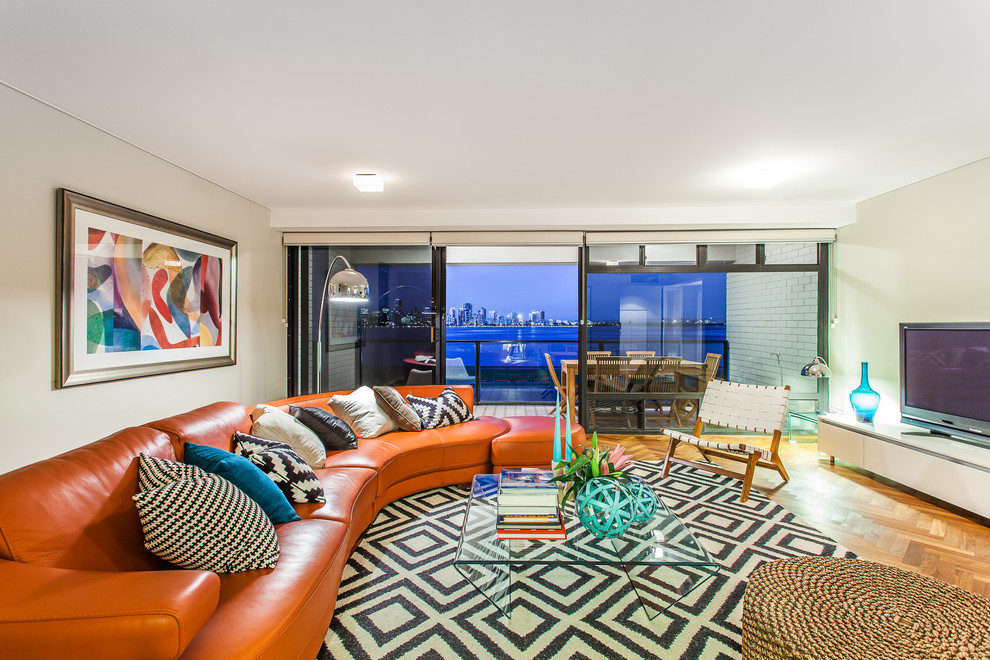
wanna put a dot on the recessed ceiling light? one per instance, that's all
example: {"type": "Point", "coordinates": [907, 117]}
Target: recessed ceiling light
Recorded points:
{"type": "Point", "coordinates": [369, 183]}
{"type": "Point", "coordinates": [762, 178]}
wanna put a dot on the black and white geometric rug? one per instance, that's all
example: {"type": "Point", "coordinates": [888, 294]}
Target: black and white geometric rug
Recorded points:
{"type": "Point", "coordinates": [402, 598]}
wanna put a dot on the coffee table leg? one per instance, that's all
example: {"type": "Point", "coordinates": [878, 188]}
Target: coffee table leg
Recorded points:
{"type": "Point", "coordinates": [494, 581]}
{"type": "Point", "coordinates": [661, 586]}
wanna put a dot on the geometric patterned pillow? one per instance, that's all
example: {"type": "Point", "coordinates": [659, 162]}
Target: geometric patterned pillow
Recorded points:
{"type": "Point", "coordinates": [154, 472]}
{"type": "Point", "coordinates": [445, 410]}
{"type": "Point", "coordinates": [207, 523]}
{"type": "Point", "coordinates": [283, 466]}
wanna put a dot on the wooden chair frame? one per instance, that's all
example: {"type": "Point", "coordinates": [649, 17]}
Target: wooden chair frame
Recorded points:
{"type": "Point", "coordinates": [556, 412]}
{"type": "Point", "coordinates": [689, 406]}
{"type": "Point", "coordinates": [664, 380]}
{"type": "Point", "coordinates": [609, 375]}
{"type": "Point", "coordinates": [755, 408]}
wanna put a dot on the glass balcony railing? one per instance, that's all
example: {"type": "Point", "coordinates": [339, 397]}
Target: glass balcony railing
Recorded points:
{"type": "Point", "coordinates": [516, 371]}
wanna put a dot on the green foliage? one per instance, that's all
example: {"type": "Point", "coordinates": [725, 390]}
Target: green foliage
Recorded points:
{"type": "Point", "coordinates": [586, 463]}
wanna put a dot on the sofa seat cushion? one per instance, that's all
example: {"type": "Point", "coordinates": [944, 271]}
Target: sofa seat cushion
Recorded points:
{"type": "Point", "coordinates": [350, 494]}
{"type": "Point", "coordinates": [396, 456]}
{"type": "Point", "coordinates": [62, 613]}
{"type": "Point", "coordinates": [75, 510]}
{"type": "Point", "coordinates": [529, 442]}
{"type": "Point", "coordinates": [469, 444]}
{"type": "Point", "coordinates": [270, 613]}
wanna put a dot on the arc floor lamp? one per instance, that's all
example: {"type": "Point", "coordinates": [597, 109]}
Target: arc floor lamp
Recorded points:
{"type": "Point", "coordinates": [347, 285]}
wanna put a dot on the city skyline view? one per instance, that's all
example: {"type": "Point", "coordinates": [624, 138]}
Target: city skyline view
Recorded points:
{"type": "Point", "coordinates": [514, 289]}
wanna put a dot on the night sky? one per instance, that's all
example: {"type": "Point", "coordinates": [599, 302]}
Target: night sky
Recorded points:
{"type": "Point", "coordinates": [517, 288]}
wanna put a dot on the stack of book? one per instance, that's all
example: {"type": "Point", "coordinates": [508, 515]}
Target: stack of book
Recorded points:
{"type": "Point", "coordinates": [529, 506]}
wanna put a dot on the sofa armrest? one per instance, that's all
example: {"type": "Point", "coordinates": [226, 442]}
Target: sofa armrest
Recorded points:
{"type": "Point", "coordinates": [61, 613]}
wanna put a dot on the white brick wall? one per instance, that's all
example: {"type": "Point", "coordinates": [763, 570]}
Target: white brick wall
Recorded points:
{"type": "Point", "coordinates": [774, 314]}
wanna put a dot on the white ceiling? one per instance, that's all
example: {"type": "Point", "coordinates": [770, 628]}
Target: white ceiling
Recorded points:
{"type": "Point", "coordinates": [504, 104]}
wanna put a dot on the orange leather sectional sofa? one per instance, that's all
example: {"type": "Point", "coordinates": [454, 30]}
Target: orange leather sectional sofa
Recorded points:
{"type": "Point", "coordinates": [76, 579]}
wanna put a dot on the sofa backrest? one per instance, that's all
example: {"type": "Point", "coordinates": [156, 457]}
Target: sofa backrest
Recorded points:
{"type": "Point", "coordinates": [465, 392]}
{"type": "Point", "coordinates": [213, 425]}
{"type": "Point", "coordinates": [75, 510]}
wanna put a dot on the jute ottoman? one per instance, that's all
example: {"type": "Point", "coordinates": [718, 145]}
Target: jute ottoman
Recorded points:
{"type": "Point", "coordinates": [829, 607]}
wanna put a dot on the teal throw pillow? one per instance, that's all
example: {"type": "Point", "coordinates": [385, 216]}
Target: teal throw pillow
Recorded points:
{"type": "Point", "coordinates": [245, 475]}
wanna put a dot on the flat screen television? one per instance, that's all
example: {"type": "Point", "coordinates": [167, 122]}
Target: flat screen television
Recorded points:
{"type": "Point", "coordinates": [945, 378]}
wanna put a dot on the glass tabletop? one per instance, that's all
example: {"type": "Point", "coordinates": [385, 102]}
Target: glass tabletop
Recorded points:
{"type": "Point", "coordinates": [662, 560]}
{"type": "Point", "coordinates": [661, 540]}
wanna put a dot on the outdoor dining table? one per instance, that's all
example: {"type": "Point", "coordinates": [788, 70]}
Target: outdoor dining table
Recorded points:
{"type": "Point", "coordinates": [569, 375]}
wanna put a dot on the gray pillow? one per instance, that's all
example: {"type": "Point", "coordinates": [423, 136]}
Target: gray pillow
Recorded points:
{"type": "Point", "coordinates": [361, 412]}
{"type": "Point", "coordinates": [396, 407]}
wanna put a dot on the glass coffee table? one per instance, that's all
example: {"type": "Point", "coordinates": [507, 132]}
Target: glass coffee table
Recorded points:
{"type": "Point", "coordinates": [663, 561]}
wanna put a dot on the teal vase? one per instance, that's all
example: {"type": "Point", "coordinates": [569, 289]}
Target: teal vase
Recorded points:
{"type": "Point", "coordinates": [864, 399]}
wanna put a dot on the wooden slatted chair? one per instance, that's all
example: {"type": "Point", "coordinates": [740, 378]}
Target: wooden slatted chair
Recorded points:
{"type": "Point", "coordinates": [597, 354]}
{"type": "Point", "coordinates": [609, 375]}
{"type": "Point", "coordinates": [639, 355]}
{"type": "Point", "coordinates": [643, 375]}
{"type": "Point", "coordinates": [664, 381]}
{"type": "Point", "coordinates": [755, 408]}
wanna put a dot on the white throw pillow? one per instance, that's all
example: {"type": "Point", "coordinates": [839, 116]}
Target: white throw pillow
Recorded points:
{"type": "Point", "coordinates": [279, 426]}
{"type": "Point", "coordinates": [360, 411]}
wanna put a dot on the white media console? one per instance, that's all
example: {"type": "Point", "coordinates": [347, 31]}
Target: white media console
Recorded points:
{"type": "Point", "coordinates": [951, 470]}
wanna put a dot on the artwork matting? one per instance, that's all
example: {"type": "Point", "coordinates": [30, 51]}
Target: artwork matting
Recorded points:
{"type": "Point", "coordinates": [139, 295]}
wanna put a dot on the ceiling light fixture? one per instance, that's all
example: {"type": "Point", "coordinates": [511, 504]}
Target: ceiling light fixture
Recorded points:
{"type": "Point", "coordinates": [369, 183]}
{"type": "Point", "coordinates": [762, 179]}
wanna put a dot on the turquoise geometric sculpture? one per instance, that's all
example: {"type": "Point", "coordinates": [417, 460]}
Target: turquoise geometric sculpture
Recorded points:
{"type": "Point", "coordinates": [643, 497]}
{"type": "Point", "coordinates": [605, 507]}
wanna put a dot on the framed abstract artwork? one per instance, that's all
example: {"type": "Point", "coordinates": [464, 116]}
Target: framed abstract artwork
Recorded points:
{"type": "Point", "coordinates": [139, 295]}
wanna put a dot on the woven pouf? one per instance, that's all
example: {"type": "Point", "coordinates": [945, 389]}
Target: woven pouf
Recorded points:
{"type": "Point", "coordinates": [830, 607]}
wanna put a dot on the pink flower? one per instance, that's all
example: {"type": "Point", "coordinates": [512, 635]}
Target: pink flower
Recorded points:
{"type": "Point", "coordinates": [620, 459]}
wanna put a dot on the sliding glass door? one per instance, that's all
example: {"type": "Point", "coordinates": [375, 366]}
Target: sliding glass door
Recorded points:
{"type": "Point", "coordinates": [683, 314]}
{"type": "Point", "coordinates": [506, 309]}
{"type": "Point", "coordinates": [378, 342]}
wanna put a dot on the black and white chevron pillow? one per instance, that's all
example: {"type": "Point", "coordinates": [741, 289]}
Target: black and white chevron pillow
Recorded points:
{"type": "Point", "coordinates": [445, 410]}
{"type": "Point", "coordinates": [284, 466]}
{"type": "Point", "coordinates": [207, 523]}
{"type": "Point", "coordinates": [154, 472]}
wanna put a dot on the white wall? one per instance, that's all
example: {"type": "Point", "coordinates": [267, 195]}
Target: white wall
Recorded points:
{"type": "Point", "coordinates": [919, 253]}
{"type": "Point", "coordinates": [42, 150]}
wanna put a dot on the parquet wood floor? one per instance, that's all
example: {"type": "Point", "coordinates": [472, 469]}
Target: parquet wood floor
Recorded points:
{"type": "Point", "coordinates": [875, 518]}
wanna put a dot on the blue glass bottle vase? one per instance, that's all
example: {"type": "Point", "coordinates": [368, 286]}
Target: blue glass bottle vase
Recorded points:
{"type": "Point", "coordinates": [864, 399]}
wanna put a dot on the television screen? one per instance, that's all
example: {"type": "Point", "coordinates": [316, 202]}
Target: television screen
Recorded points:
{"type": "Point", "coordinates": [945, 375]}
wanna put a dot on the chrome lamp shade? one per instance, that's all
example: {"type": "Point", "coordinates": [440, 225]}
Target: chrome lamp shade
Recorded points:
{"type": "Point", "coordinates": [817, 368]}
{"type": "Point", "coordinates": [348, 286]}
